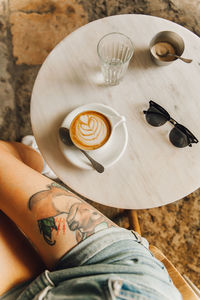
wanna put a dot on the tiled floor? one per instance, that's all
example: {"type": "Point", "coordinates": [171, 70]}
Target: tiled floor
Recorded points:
{"type": "Point", "coordinates": [28, 32]}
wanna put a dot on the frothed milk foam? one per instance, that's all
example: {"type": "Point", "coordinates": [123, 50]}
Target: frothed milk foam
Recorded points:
{"type": "Point", "coordinates": [90, 130]}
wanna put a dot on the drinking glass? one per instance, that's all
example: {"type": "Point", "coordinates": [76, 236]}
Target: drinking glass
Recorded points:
{"type": "Point", "coordinates": [115, 51]}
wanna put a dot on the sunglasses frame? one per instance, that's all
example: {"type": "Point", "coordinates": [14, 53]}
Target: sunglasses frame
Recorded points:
{"type": "Point", "coordinates": [190, 137]}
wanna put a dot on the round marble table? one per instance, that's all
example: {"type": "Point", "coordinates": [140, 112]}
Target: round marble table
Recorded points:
{"type": "Point", "coordinates": [151, 172]}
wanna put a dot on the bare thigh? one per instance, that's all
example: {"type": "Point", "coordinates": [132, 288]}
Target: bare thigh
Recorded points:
{"type": "Point", "coordinates": [18, 260]}
{"type": "Point", "coordinates": [38, 206]}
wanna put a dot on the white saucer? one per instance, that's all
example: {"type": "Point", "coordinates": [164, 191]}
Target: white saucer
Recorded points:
{"type": "Point", "coordinates": [109, 154]}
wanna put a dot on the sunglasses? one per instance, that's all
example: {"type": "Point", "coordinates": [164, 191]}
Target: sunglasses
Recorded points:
{"type": "Point", "coordinates": [179, 136]}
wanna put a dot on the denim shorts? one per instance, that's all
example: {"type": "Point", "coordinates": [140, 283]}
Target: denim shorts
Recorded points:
{"type": "Point", "coordinates": [112, 264]}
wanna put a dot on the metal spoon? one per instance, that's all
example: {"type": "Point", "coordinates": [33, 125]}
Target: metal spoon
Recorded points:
{"type": "Point", "coordinates": [66, 139]}
{"type": "Point", "coordinates": [186, 60]}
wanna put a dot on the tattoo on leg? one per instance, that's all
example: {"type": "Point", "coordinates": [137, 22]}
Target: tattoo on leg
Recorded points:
{"type": "Point", "coordinates": [57, 204]}
{"type": "Point", "coordinates": [45, 227]}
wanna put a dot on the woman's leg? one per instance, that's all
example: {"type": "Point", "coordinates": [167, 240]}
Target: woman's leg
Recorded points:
{"type": "Point", "coordinates": [19, 262]}
{"type": "Point", "coordinates": [24, 153]}
{"type": "Point", "coordinates": [54, 219]}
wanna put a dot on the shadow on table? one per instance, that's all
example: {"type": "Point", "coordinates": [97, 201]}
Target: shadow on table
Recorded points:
{"type": "Point", "coordinates": [141, 59]}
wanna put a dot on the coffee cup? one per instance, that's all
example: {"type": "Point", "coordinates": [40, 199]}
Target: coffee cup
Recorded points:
{"type": "Point", "coordinates": [92, 126]}
{"type": "Point", "coordinates": [92, 129]}
{"type": "Point", "coordinates": [166, 41]}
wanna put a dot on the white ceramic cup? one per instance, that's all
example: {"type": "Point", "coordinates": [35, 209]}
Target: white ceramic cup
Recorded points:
{"type": "Point", "coordinates": [114, 120]}
{"type": "Point", "coordinates": [173, 39]}
{"type": "Point", "coordinates": [110, 153]}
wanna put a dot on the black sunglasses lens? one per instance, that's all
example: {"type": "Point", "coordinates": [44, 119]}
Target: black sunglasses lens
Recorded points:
{"type": "Point", "coordinates": [178, 138]}
{"type": "Point", "coordinates": [154, 117]}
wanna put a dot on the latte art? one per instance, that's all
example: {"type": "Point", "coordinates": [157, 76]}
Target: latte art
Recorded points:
{"type": "Point", "coordinates": [90, 130]}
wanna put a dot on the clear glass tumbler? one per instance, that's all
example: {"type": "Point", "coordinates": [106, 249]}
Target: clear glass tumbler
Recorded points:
{"type": "Point", "coordinates": [115, 51]}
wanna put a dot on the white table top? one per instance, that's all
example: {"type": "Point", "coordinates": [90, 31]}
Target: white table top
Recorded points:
{"type": "Point", "coordinates": [151, 172]}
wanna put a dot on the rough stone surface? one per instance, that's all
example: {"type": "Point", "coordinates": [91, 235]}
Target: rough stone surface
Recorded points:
{"type": "Point", "coordinates": [36, 28]}
{"type": "Point", "coordinates": [3, 29]}
{"type": "Point", "coordinates": [4, 8]}
{"type": "Point", "coordinates": [8, 119]}
{"type": "Point", "coordinates": [25, 78]}
{"type": "Point", "coordinates": [28, 32]}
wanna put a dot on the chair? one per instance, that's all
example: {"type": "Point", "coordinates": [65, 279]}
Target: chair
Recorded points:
{"type": "Point", "coordinates": [130, 221]}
